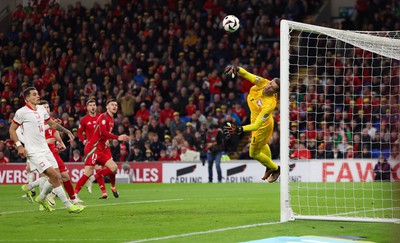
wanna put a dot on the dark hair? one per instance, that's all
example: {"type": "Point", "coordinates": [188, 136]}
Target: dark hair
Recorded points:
{"type": "Point", "coordinates": [90, 101]}
{"type": "Point", "coordinates": [110, 100]}
{"type": "Point", "coordinates": [43, 102]}
{"type": "Point", "coordinates": [278, 82]}
{"type": "Point", "coordinates": [27, 92]}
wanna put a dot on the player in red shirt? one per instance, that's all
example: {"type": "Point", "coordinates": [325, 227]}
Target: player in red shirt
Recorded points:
{"type": "Point", "coordinates": [97, 152]}
{"type": "Point", "coordinates": [88, 123]}
{"type": "Point", "coordinates": [86, 129]}
{"type": "Point", "coordinates": [53, 136]}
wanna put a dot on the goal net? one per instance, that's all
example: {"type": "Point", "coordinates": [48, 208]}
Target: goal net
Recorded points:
{"type": "Point", "coordinates": [339, 117]}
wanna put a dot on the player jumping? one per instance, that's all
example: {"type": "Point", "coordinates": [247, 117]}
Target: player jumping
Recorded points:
{"type": "Point", "coordinates": [262, 102]}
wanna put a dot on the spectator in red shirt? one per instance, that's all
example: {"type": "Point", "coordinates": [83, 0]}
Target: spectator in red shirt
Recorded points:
{"type": "Point", "coordinates": [90, 88]}
{"type": "Point", "coordinates": [48, 77]}
{"type": "Point", "coordinates": [311, 133]}
{"type": "Point", "coordinates": [123, 154]}
{"type": "Point", "coordinates": [165, 113]}
{"type": "Point", "coordinates": [19, 14]}
{"type": "Point", "coordinates": [163, 156]}
{"type": "Point", "coordinates": [174, 155]}
{"type": "Point", "coordinates": [3, 158]}
{"type": "Point", "coordinates": [201, 103]}
{"type": "Point", "coordinates": [11, 79]}
{"type": "Point", "coordinates": [215, 82]}
{"type": "Point", "coordinates": [349, 152]}
{"type": "Point", "coordinates": [238, 110]}
{"type": "Point", "coordinates": [76, 156]}
{"type": "Point", "coordinates": [38, 82]}
{"type": "Point", "coordinates": [3, 105]}
{"type": "Point", "coordinates": [190, 108]}
{"type": "Point", "coordinates": [301, 153]}
{"type": "Point", "coordinates": [143, 113]}
{"type": "Point", "coordinates": [6, 92]}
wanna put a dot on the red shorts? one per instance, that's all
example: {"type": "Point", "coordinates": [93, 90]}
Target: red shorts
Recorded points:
{"type": "Point", "coordinates": [60, 162]}
{"type": "Point", "coordinates": [94, 156]}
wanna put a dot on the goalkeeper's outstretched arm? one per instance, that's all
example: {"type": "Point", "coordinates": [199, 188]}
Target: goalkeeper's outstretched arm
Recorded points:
{"type": "Point", "coordinates": [257, 80]}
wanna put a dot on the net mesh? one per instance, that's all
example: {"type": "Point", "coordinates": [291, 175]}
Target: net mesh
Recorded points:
{"type": "Point", "coordinates": [344, 119]}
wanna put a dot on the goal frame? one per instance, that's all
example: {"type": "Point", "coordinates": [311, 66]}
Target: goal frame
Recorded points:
{"type": "Point", "coordinates": [286, 212]}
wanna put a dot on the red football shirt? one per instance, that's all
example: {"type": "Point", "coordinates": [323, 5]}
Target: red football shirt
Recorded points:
{"type": "Point", "coordinates": [49, 133]}
{"type": "Point", "coordinates": [86, 127]}
{"type": "Point", "coordinates": [102, 132]}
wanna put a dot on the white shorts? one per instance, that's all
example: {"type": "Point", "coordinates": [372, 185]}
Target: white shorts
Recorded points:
{"type": "Point", "coordinates": [42, 161]}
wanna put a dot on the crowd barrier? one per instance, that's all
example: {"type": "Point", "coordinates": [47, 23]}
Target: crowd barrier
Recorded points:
{"type": "Point", "coordinates": [239, 171]}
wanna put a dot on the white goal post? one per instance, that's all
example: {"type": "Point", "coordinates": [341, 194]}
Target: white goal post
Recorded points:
{"type": "Point", "coordinates": [321, 57]}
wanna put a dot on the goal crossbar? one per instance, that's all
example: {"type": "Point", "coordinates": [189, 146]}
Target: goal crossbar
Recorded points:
{"type": "Point", "coordinates": [374, 43]}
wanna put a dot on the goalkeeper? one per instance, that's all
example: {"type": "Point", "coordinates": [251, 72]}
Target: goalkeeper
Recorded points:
{"type": "Point", "coordinates": [262, 102]}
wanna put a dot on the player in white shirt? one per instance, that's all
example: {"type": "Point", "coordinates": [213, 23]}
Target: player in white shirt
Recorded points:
{"type": "Point", "coordinates": [42, 178]}
{"type": "Point", "coordinates": [29, 173]}
{"type": "Point", "coordinates": [31, 117]}
{"type": "Point", "coordinates": [31, 176]}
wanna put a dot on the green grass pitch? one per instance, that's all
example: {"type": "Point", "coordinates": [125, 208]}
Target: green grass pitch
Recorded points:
{"type": "Point", "coordinates": [171, 213]}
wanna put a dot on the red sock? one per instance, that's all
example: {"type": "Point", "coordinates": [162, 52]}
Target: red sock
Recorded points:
{"type": "Point", "coordinates": [101, 182]}
{"type": "Point", "coordinates": [103, 172]}
{"type": "Point", "coordinates": [80, 183]}
{"type": "Point", "coordinates": [112, 180]}
{"type": "Point", "coordinates": [70, 189]}
{"type": "Point", "coordinates": [102, 186]}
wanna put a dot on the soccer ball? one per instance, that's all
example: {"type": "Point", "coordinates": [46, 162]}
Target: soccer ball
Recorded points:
{"type": "Point", "coordinates": [230, 23]}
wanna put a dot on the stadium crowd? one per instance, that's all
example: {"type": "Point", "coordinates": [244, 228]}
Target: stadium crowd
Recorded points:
{"type": "Point", "coordinates": [164, 63]}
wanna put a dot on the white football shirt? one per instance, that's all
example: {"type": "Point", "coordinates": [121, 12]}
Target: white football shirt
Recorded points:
{"type": "Point", "coordinates": [32, 123]}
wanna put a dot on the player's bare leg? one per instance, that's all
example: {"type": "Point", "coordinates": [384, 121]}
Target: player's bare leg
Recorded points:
{"type": "Point", "coordinates": [28, 188]}
{"type": "Point", "coordinates": [65, 179]}
{"type": "Point", "coordinates": [53, 183]}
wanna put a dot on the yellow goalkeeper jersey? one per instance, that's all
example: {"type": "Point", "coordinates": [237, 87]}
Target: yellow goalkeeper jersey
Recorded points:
{"type": "Point", "coordinates": [261, 106]}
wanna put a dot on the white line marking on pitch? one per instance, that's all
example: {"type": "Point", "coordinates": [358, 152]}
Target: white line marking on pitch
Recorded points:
{"type": "Point", "coordinates": [153, 239]}
{"type": "Point", "coordinates": [99, 205]}
{"type": "Point", "coordinates": [203, 232]}
{"type": "Point", "coordinates": [365, 211]}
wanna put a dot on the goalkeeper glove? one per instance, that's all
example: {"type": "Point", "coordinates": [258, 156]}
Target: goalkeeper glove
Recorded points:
{"type": "Point", "coordinates": [231, 129]}
{"type": "Point", "coordinates": [231, 70]}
